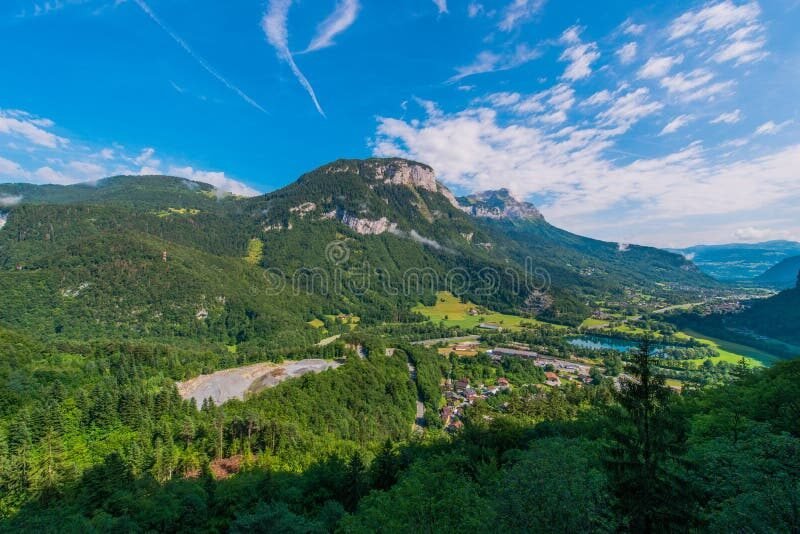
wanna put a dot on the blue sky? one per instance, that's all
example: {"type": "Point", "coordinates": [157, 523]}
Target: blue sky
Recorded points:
{"type": "Point", "coordinates": [665, 123]}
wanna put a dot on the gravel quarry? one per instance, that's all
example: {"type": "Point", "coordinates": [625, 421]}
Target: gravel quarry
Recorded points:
{"type": "Point", "coordinates": [237, 383]}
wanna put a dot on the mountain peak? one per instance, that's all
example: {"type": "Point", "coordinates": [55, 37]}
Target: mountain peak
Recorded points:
{"type": "Point", "coordinates": [394, 171]}
{"type": "Point", "coordinates": [499, 204]}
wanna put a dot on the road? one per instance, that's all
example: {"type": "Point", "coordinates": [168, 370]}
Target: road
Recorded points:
{"type": "Point", "coordinates": [419, 421]}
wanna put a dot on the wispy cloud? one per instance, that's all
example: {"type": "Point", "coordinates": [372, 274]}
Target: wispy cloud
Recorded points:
{"type": "Point", "coordinates": [658, 66]}
{"type": "Point", "coordinates": [732, 117]}
{"type": "Point", "coordinates": [442, 5]}
{"type": "Point", "coordinates": [519, 11]}
{"type": "Point", "coordinates": [695, 85]}
{"type": "Point", "coordinates": [25, 125]}
{"type": "Point", "coordinates": [275, 27]}
{"type": "Point", "coordinates": [337, 22]}
{"type": "Point", "coordinates": [488, 61]}
{"type": "Point", "coordinates": [199, 59]}
{"type": "Point", "coordinates": [38, 160]}
{"type": "Point", "coordinates": [676, 124]}
{"type": "Point", "coordinates": [771, 127]}
{"type": "Point", "coordinates": [735, 30]}
{"type": "Point", "coordinates": [585, 186]}
{"type": "Point", "coordinates": [631, 28]}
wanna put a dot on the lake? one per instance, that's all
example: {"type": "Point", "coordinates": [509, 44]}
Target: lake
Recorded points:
{"type": "Point", "coordinates": [607, 343]}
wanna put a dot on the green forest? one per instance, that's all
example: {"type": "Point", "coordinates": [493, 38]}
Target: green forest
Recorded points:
{"type": "Point", "coordinates": [95, 438]}
{"type": "Point", "coordinates": [113, 294]}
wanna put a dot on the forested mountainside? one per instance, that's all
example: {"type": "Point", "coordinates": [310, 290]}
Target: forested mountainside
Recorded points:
{"type": "Point", "coordinates": [783, 275]}
{"type": "Point", "coordinates": [158, 256]}
{"type": "Point", "coordinates": [116, 293]}
{"type": "Point", "coordinates": [95, 439]}
{"type": "Point", "coordinates": [777, 317]}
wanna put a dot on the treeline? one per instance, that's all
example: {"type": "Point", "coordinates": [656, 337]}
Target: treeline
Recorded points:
{"type": "Point", "coordinates": [63, 414]}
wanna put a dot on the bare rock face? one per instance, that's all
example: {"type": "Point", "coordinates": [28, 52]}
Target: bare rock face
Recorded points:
{"type": "Point", "coordinates": [368, 227]}
{"type": "Point", "coordinates": [401, 172]}
{"type": "Point", "coordinates": [498, 205]}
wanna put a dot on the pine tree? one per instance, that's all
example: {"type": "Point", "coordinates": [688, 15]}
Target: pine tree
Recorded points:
{"type": "Point", "coordinates": [355, 482]}
{"type": "Point", "coordinates": [647, 438]}
{"type": "Point", "coordinates": [385, 467]}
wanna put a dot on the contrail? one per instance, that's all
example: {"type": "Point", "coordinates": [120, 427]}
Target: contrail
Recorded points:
{"type": "Point", "coordinates": [274, 25]}
{"type": "Point", "coordinates": [203, 63]}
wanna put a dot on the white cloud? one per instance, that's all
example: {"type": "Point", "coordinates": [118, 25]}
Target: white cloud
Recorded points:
{"type": "Point", "coordinates": [6, 201]}
{"type": "Point", "coordinates": [714, 17]}
{"type": "Point", "coordinates": [218, 179]}
{"type": "Point", "coordinates": [579, 55]}
{"type": "Point", "coordinates": [627, 53]}
{"type": "Point", "coordinates": [628, 109]}
{"type": "Point", "coordinates": [731, 117]}
{"type": "Point", "coordinates": [630, 28]}
{"type": "Point", "coordinates": [10, 169]}
{"type": "Point", "coordinates": [202, 62]}
{"type": "Point", "coordinates": [753, 234]}
{"type": "Point", "coordinates": [491, 62]}
{"type": "Point", "coordinates": [18, 123]}
{"type": "Point", "coordinates": [275, 28]}
{"type": "Point", "coordinates": [676, 124]}
{"type": "Point", "coordinates": [742, 51]}
{"type": "Point", "coordinates": [771, 128]}
{"type": "Point", "coordinates": [519, 11]}
{"type": "Point", "coordinates": [585, 186]}
{"type": "Point", "coordinates": [734, 30]}
{"type": "Point", "coordinates": [106, 153]}
{"type": "Point", "coordinates": [549, 106]}
{"type": "Point", "coordinates": [337, 22]}
{"type": "Point", "coordinates": [659, 66]}
{"type": "Point", "coordinates": [600, 97]}
{"type": "Point", "coordinates": [64, 162]}
{"type": "Point", "coordinates": [474, 9]}
{"type": "Point", "coordinates": [441, 5]}
{"type": "Point", "coordinates": [695, 85]}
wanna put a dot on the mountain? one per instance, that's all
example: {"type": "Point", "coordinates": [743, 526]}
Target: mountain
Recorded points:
{"type": "Point", "coordinates": [164, 257]}
{"type": "Point", "coordinates": [776, 317]}
{"type": "Point", "coordinates": [739, 261]}
{"type": "Point", "coordinates": [782, 275]}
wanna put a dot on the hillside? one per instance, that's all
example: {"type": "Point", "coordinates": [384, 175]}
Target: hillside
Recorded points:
{"type": "Point", "coordinates": [783, 275]}
{"type": "Point", "coordinates": [739, 261]}
{"type": "Point", "coordinates": [163, 257]}
{"type": "Point", "coordinates": [776, 317]}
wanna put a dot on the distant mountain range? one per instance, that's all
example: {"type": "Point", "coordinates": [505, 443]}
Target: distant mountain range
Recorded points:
{"type": "Point", "coordinates": [739, 261]}
{"type": "Point", "coordinates": [158, 256]}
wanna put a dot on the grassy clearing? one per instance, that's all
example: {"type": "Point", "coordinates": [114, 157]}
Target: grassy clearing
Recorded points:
{"type": "Point", "coordinates": [671, 382]}
{"type": "Point", "coordinates": [591, 324]}
{"type": "Point", "coordinates": [177, 211]}
{"type": "Point", "coordinates": [316, 323]}
{"type": "Point", "coordinates": [452, 312]}
{"type": "Point", "coordinates": [732, 352]}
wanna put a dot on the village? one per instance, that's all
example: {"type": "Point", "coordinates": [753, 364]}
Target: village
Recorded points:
{"type": "Point", "coordinates": [460, 393]}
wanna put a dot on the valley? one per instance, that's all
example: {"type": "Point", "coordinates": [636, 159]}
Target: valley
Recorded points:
{"type": "Point", "coordinates": [335, 341]}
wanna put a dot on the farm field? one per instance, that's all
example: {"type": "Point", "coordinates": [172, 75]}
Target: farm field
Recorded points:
{"type": "Point", "coordinates": [452, 312]}
{"type": "Point", "coordinates": [732, 352]}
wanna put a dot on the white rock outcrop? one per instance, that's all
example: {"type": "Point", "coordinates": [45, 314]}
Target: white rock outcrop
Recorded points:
{"type": "Point", "coordinates": [367, 226]}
